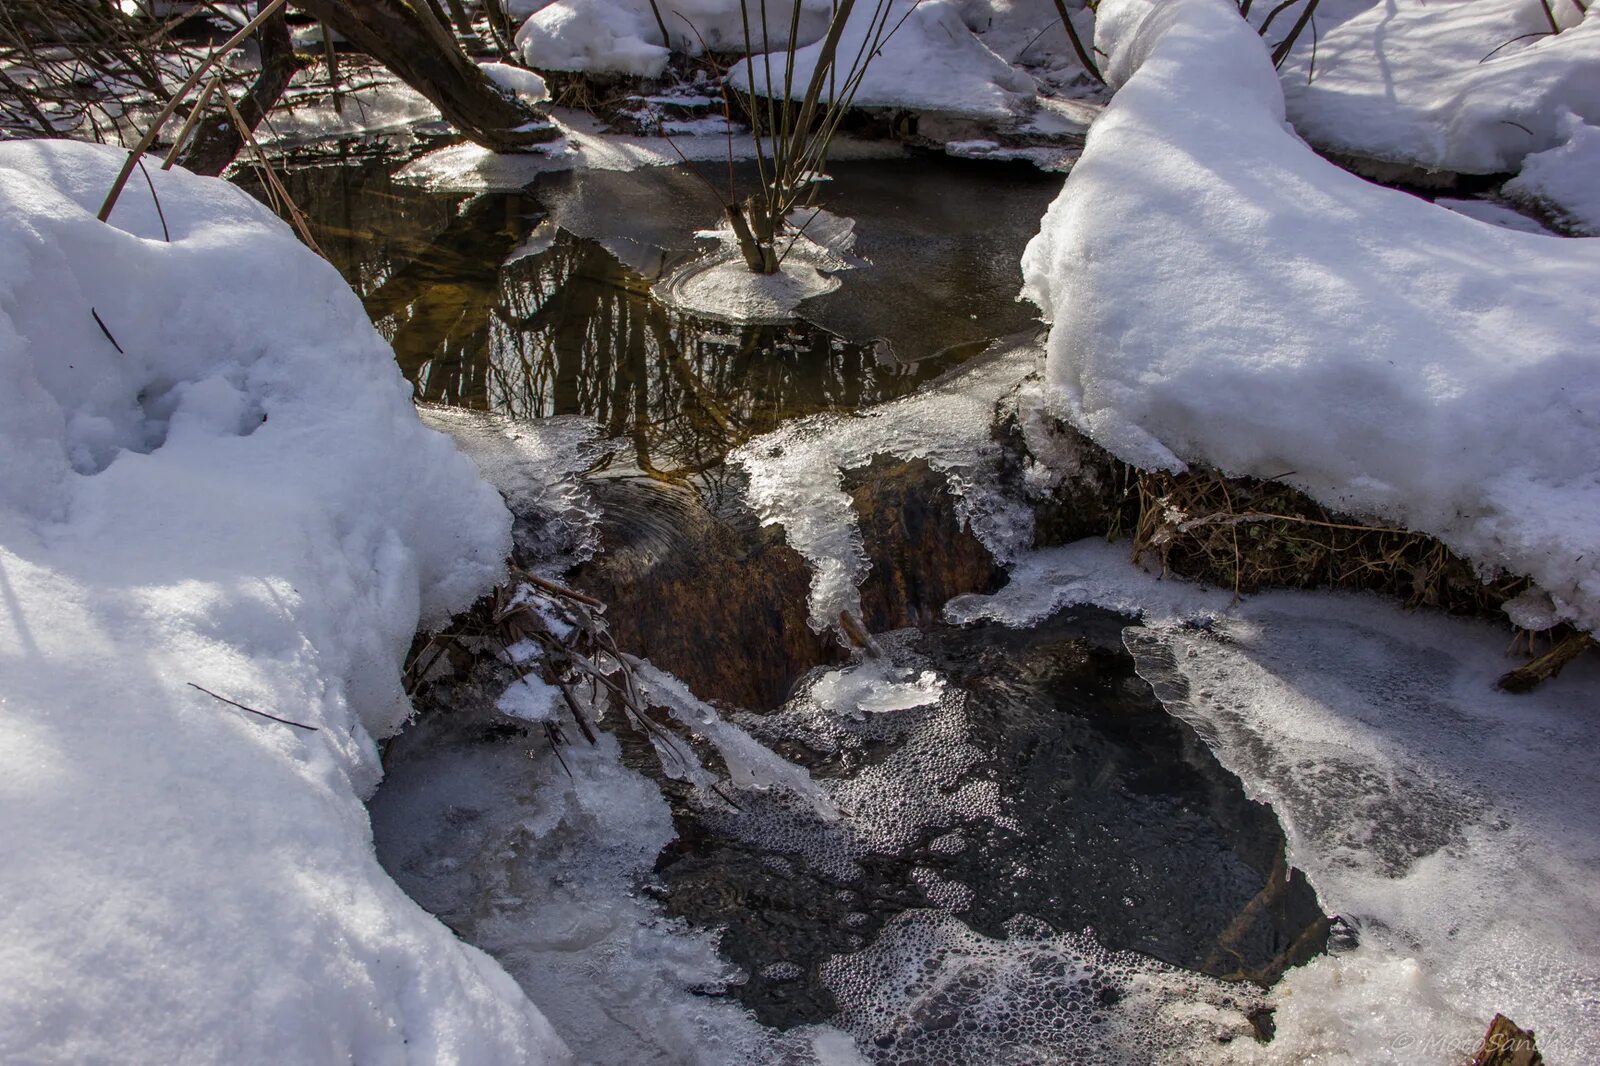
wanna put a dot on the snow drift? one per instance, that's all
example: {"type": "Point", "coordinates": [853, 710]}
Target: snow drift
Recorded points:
{"type": "Point", "coordinates": [922, 56]}
{"type": "Point", "coordinates": [623, 36]}
{"type": "Point", "coordinates": [1470, 86]}
{"type": "Point", "coordinates": [1220, 294]}
{"type": "Point", "coordinates": [214, 476]}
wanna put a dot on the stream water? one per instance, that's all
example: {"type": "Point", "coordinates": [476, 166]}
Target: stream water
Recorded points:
{"type": "Point", "coordinates": [1035, 859]}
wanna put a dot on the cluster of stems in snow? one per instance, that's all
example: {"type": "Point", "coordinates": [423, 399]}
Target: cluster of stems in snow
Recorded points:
{"type": "Point", "coordinates": [792, 124]}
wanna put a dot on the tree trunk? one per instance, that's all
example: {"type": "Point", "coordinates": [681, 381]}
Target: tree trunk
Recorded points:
{"type": "Point", "coordinates": [409, 40]}
{"type": "Point", "coordinates": [216, 143]}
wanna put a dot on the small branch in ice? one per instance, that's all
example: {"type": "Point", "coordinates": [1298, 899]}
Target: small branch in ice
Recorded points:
{"type": "Point", "coordinates": [252, 710]}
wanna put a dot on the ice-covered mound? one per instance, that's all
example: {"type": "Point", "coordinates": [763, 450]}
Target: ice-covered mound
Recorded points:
{"type": "Point", "coordinates": [623, 36]}
{"type": "Point", "coordinates": [923, 57]}
{"type": "Point", "coordinates": [796, 473]}
{"type": "Point", "coordinates": [214, 475]}
{"type": "Point", "coordinates": [1470, 86]}
{"type": "Point", "coordinates": [1220, 294]}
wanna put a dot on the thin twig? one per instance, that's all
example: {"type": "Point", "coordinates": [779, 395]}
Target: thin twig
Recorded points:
{"type": "Point", "coordinates": [252, 710]}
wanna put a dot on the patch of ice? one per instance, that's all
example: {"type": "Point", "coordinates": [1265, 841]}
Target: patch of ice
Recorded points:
{"type": "Point", "coordinates": [469, 168]}
{"type": "Point", "coordinates": [721, 286]}
{"type": "Point", "coordinates": [875, 686]}
{"type": "Point", "coordinates": [535, 465]}
{"type": "Point", "coordinates": [1455, 826]}
{"type": "Point", "coordinates": [751, 765]}
{"type": "Point", "coordinates": [796, 472]}
{"type": "Point", "coordinates": [540, 240]}
{"type": "Point", "coordinates": [1221, 294]}
{"type": "Point", "coordinates": [931, 990]}
{"type": "Point", "coordinates": [540, 860]}
{"type": "Point", "coordinates": [1086, 572]}
{"type": "Point", "coordinates": [310, 116]}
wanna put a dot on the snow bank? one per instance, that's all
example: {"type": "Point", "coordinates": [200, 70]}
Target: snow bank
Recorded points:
{"type": "Point", "coordinates": [1564, 181]}
{"type": "Point", "coordinates": [242, 498]}
{"type": "Point", "coordinates": [923, 57]}
{"type": "Point", "coordinates": [1220, 294]}
{"type": "Point", "coordinates": [623, 37]}
{"type": "Point", "coordinates": [1414, 82]}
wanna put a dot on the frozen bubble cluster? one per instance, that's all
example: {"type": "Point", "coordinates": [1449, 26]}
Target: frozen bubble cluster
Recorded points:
{"type": "Point", "coordinates": [886, 803]}
{"type": "Point", "coordinates": [931, 992]}
{"type": "Point", "coordinates": [796, 472]}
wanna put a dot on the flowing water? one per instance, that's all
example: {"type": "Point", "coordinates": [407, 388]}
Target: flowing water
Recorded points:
{"type": "Point", "coordinates": [1031, 793]}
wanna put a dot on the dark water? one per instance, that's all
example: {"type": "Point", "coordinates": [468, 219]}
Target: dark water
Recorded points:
{"type": "Point", "coordinates": [1114, 816]}
{"type": "Point", "coordinates": [572, 328]}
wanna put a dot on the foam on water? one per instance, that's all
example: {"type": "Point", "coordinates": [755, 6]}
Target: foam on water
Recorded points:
{"type": "Point", "coordinates": [931, 992]}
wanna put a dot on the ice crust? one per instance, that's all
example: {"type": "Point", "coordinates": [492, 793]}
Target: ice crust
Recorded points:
{"type": "Point", "coordinates": [242, 497]}
{"type": "Point", "coordinates": [1247, 305]}
{"type": "Point", "coordinates": [796, 472]}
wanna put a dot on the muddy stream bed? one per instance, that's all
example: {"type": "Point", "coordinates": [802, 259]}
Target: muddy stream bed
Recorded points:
{"type": "Point", "coordinates": [1032, 792]}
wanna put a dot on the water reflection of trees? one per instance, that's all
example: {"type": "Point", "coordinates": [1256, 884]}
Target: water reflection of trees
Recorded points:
{"type": "Point", "coordinates": [571, 330]}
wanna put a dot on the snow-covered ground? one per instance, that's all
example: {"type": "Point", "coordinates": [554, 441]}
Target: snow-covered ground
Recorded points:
{"type": "Point", "coordinates": [1218, 293]}
{"type": "Point", "coordinates": [914, 54]}
{"type": "Point", "coordinates": [214, 477]}
{"type": "Point", "coordinates": [1470, 86]}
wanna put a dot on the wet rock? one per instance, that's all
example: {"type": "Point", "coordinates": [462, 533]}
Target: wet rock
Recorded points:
{"type": "Point", "coordinates": [1507, 1044]}
{"type": "Point", "coordinates": [695, 584]}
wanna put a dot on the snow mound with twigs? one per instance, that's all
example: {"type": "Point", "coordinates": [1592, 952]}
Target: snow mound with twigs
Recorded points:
{"type": "Point", "coordinates": [918, 54]}
{"type": "Point", "coordinates": [241, 498]}
{"type": "Point", "coordinates": [1470, 86]}
{"type": "Point", "coordinates": [623, 36]}
{"type": "Point", "coordinates": [1220, 294]}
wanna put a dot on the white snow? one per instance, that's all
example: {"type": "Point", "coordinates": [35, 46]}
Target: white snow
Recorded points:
{"type": "Point", "coordinates": [1410, 81]}
{"type": "Point", "coordinates": [241, 498]}
{"type": "Point", "coordinates": [623, 37]}
{"type": "Point", "coordinates": [519, 82]}
{"type": "Point", "coordinates": [1564, 181]}
{"type": "Point", "coordinates": [1220, 294]}
{"type": "Point", "coordinates": [920, 55]}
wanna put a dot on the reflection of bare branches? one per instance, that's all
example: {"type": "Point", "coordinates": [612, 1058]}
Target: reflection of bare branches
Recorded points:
{"type": "Point", "coordinates": [571, 330]}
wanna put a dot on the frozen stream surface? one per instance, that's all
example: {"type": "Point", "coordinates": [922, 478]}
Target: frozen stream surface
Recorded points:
{"type": "Point", "coordinates": [1094, 817]}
